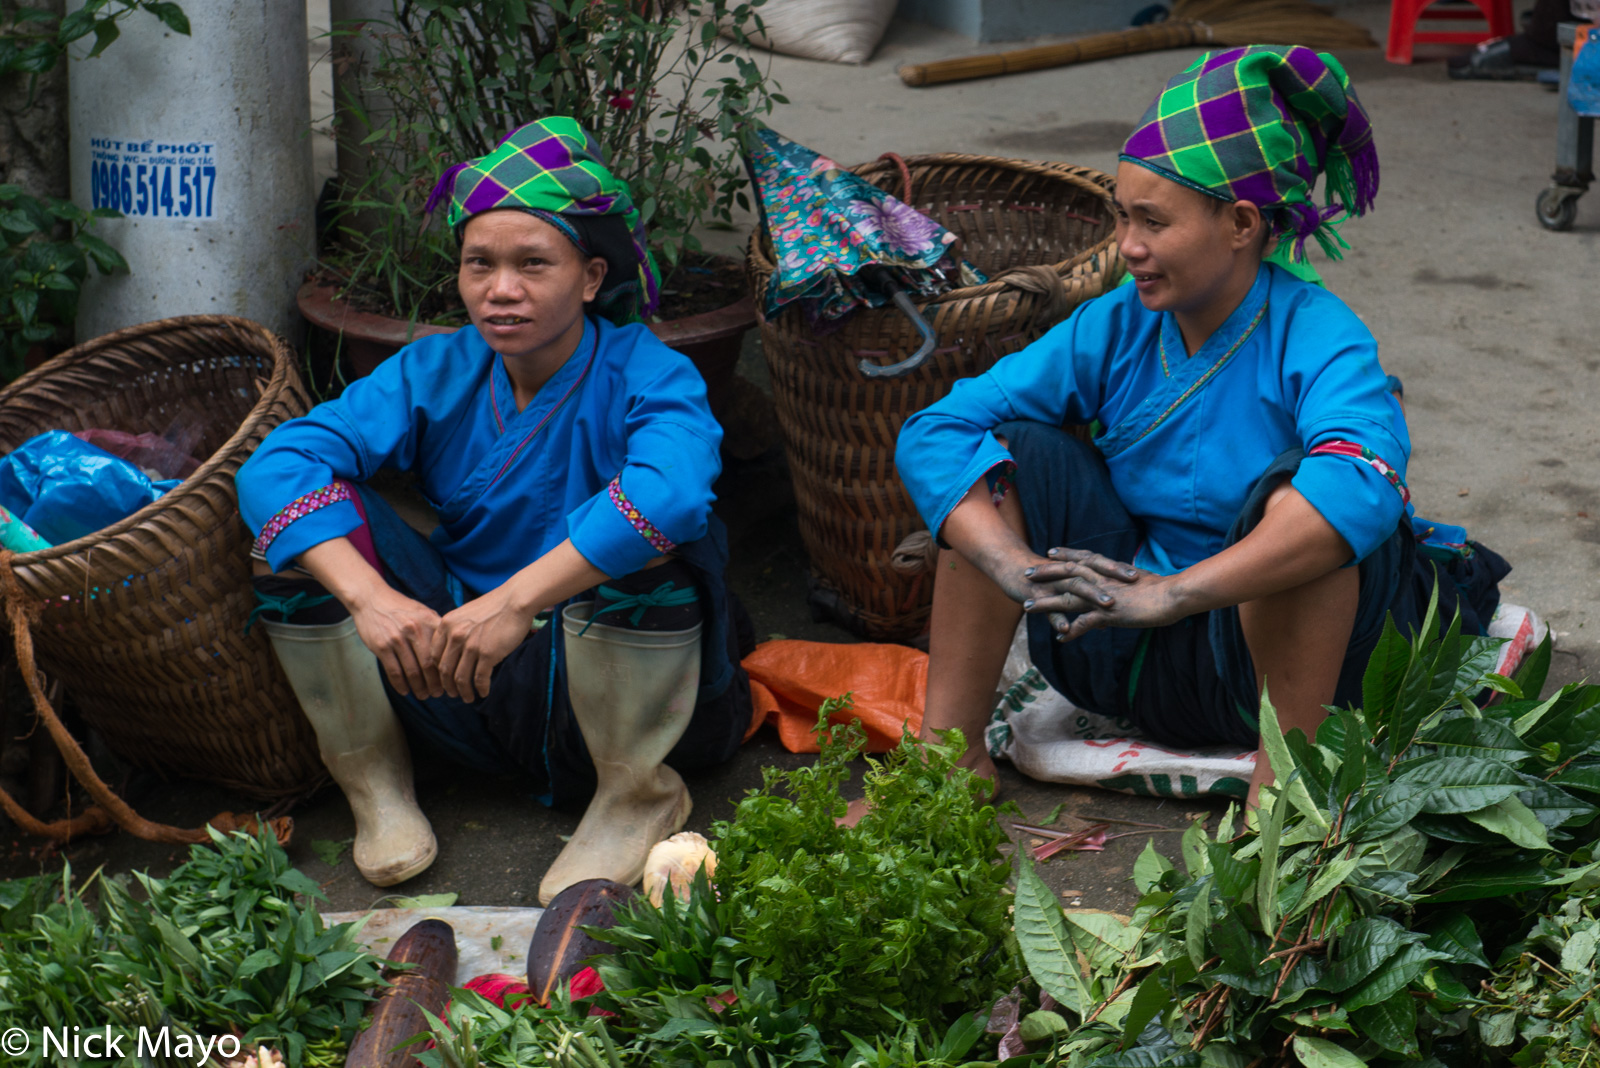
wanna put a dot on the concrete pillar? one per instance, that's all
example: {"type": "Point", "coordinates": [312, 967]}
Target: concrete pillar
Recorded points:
{"type": "Point", "coordinates": [203, 143]}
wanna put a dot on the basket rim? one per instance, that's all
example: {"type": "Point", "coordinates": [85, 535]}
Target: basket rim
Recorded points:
{"type": "Point", "coordinates": [1090, 181]}
{"type": "Point", "coordinates": [279, 380]}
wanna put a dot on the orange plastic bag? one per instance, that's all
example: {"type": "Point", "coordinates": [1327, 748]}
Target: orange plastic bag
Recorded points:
{"type": "Point", "coordinates": [789, 680]}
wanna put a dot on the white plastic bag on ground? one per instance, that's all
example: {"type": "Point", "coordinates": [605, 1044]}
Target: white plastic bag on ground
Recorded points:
{"type": "Point", "coordinates": [1050, 739]}
{"type": "Point", "coordinates": [838, 31]}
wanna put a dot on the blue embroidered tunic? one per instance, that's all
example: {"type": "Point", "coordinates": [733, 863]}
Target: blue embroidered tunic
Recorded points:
{"type": "Point", "coordinates": [1185, 436]}
{"type": "Point", "coordinates": [617, 451]}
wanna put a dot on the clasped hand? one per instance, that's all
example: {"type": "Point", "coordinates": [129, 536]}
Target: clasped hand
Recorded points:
{"type": "Point", "coordinates": [1096, 590]}
{"type": "Point", "coordinates": [430, 655]}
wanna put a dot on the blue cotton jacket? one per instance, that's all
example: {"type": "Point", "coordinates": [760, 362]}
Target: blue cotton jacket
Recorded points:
{"type": "Point", "coordinates": [617, 451]}
{"type": "Point", "coordinates": [1185, 437]}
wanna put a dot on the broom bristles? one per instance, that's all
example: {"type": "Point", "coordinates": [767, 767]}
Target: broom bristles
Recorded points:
{"type": "Point", "coordinates": [1283, 22]}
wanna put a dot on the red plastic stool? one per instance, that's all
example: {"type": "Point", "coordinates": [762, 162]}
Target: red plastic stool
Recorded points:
{"type": "Point", "coordinates": [1405, 14]}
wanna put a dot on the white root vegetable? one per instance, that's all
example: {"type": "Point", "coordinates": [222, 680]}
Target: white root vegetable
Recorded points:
{"type": "Point", "coordinates": [263, 1057]}
{"type": "Point", "coordinates": [674, 863]}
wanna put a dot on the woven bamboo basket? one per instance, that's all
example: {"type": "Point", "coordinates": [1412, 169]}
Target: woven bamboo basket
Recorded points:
{"type": "Point", "coordinates": [1042, 232]}
{"type": "Point", "coordinates": [144, 621]}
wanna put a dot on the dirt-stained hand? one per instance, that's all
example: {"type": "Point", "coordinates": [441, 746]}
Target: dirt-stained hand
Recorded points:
{"type": "Point", "coordinates": [1075, 580]}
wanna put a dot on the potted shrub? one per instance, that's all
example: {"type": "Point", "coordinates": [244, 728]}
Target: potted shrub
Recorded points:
{"type": "Point", "coordinates": [653, 80]}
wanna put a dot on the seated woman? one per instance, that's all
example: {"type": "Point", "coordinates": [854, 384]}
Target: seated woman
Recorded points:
{"type": "Point", "coordinates": [1240, 523]}
{"type": "Point", "coordinates": [570, 454]}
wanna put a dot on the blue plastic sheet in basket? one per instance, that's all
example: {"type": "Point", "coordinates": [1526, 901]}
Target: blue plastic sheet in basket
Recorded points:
{"type": "Point", "coordinates": [65, 488]}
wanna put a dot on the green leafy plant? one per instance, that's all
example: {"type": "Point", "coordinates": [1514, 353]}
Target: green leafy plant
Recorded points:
{"type": "Point", "coordinates": [35, 40]}
{"type": "Point", "coordinates": [652, 80]}
{"type": "Point", "coordinates": [905, 913]}
{"type": "Point", "coordinates": [1542, 995]}
{"type": "Point", "coordinates": [1402, 851]}
{"type": "Point", "coordinates": [225, 942]}
{"type": "Point", "coordinates": [46, 256]}
{"type": "Point", "coordinates": [680, 987]}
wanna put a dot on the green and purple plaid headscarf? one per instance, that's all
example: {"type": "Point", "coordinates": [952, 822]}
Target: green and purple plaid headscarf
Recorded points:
{"type": "Point", "coordinates": [1260, 123]}
{"type": "Point", "coordinates": [554, 170]}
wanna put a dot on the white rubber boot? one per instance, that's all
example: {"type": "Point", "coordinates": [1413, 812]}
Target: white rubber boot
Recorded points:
{"type": "Point", "coordinates": [336, 679]}
{"type": "Point", "coordinates": [632, 693]}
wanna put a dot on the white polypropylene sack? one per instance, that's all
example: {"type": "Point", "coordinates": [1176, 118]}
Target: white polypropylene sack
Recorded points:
{"type": "Point", "coordinates": [838, 31]}
{"type": "Point", "coordinates": [1048, 738]}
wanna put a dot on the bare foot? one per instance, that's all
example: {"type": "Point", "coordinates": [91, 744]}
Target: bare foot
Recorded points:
{"type": "Point", "coordinates": [983, 768]}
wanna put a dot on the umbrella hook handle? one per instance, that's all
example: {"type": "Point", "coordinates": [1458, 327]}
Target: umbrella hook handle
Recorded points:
{"type": "Point", "coordinates": [905, 175]}
{"type": "Point", "coordinates": [916, 359]}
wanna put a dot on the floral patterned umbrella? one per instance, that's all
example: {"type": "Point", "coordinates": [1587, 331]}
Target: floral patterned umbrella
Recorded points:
{"type": "Point", "coordinates": [841, 243]}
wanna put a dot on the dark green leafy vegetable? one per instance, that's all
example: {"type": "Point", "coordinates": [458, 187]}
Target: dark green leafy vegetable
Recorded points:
{"type": "Point", "coordinates": [224, 943]}
{"type": "Point", "coordinates": [1406, 848]}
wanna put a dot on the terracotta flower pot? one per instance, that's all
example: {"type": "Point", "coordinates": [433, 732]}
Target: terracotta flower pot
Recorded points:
{"type": "Point", "coordinates": [711, 339]}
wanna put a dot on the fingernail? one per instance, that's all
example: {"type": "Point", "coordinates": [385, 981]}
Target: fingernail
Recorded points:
{"type": "Point", "coordinates": [1029, 572]}
{"type": "Point", "coordinates": [1027, 604]}
{"type": "Point", "coordinates": [1052, 552]}
{"type": "Point", "coordinates": [1105, 599]}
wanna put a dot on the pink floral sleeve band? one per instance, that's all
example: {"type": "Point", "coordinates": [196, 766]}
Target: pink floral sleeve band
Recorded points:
{"type": "Point", "coordinates": [636, 519]}
{"type": "Point", "coordinates": [1367, 456]}
{"type": "Point", "coordinates": [299, 509]}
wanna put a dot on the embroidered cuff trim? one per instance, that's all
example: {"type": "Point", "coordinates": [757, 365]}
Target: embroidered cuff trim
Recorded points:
{"type": "Point", "coordinates": [1001, 477]}
{"type": "Point", "coordinates": [659, 541]}
{"type": "Point", "coordinates": [299, 509]}
{"type": "Point", "coordinates": [1367, 456]}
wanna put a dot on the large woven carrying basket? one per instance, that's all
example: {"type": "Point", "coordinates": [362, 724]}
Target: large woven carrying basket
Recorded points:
{"type": "Point", "coordinates": [1042, 232]}
{"type": "Point", "coordinates": [144, 621]}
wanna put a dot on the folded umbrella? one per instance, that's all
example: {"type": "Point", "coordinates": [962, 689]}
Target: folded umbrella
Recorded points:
{"type": "Point", "coordinates": [841, 243]}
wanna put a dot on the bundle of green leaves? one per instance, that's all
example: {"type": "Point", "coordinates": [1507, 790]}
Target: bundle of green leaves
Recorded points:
{"type": "Point", "coordinates": [1541, 998]}
{"type": "Point", "coordinates": [231, 942]}
{"type": "Point", "coordinates": [904, 916]}
{"type": "Point", "coordinates": [1353, 921]}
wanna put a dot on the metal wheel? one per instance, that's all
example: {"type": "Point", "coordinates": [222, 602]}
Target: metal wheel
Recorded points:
{"type": "Point", "coordinates": [1557, 207]}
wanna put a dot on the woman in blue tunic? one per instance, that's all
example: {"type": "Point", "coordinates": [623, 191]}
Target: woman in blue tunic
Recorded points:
{"type": "Point", "coordinates": [1241, 523]}
{"type": "Point", "coordinates": [570, 456]}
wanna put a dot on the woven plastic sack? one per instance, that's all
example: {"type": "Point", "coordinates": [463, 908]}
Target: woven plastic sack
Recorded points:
{"type": "Point", "coordinates": [838, 31]}
{"type": "Point", "coordinates": [1048, 738]}
{"type": "Point", "coordinates": [789, 681]}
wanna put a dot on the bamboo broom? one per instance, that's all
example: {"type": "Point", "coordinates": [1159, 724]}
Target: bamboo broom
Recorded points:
{"type": "Point", "coordinates": [1193, 22]}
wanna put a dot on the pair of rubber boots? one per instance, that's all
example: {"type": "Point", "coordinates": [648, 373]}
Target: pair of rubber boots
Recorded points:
{"type": "Point", "coordinates": [632, 693]}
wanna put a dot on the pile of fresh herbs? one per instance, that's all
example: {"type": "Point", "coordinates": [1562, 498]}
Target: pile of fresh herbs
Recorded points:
{"type": "Point", "coordinates": [230, 943]}
{"type": "Point", "coordinates": [1418, 889]}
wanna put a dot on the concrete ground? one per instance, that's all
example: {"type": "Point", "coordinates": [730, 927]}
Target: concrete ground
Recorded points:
{"type": "Point", "coordinates": [1493, 323]}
